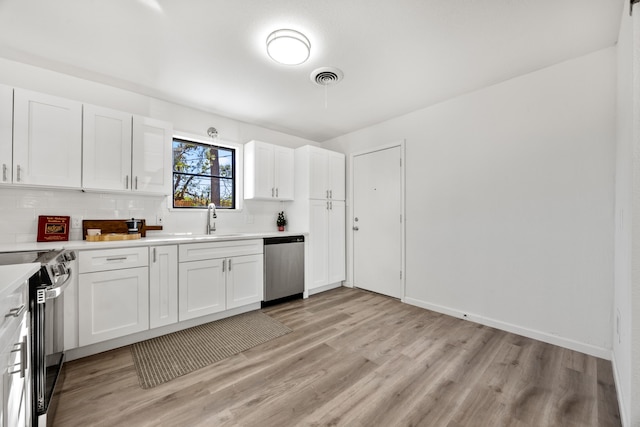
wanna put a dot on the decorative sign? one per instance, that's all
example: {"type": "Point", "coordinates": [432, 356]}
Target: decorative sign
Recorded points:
{"type": "Point", "coordinates": [53, 228]}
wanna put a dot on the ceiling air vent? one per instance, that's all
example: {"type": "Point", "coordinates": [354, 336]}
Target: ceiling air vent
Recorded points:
{"type": "Point", "coordinates": [326, 76]}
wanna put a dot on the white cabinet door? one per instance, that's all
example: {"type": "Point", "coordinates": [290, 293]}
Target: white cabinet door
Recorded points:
{"type": "Point", "coordinates": [47, 140]}
{"type": "Point", "coordinates": [14, 390]}
{"type": "Point", "coordinates": [112, 304]}
{"type": "Point", "coordinates": [244, 280]}
{"type": "Point", "coordinates": [336, 174]}
{"type": "Point", "coordinates": [318, 174]}
{"type": "Point", "coordinates": [163, 285]}
{"type": "Point", "coordinates": [283, 172]}
{"type": "Point", "coordinates": [201, 288]}
{"type": "Point", "coordinates": [152, 167]}
{"type": "Point", "coordinates": [106, 149]}
{"type": "Point", "coordinates": [258, 170]}
{"type": "Point", "coordinates": [6, 133]}
{"type": "Point", "coordinates": [337, 236]}
{"type": "Point", "coordinates": [318, 243]}
{"type": "Point", "coordinates": [268, 171]}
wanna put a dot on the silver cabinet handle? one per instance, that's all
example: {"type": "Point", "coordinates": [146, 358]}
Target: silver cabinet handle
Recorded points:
{"type": "Point", "coordinates": [16, 312]}
{"type": "Point", "coordinates": [4, 172]}
{"type": "Point", "coordinates": [276, 192]}
{"type": "Point", "coordinates": [272, 192]}
{"type": "Point", "coordinates": [136, 182]}
{"type": "Point", "coordinates": [22, 348]}
{"type": "Point", "coordinates": [18, 177]}
{"type": "Point", "coordinates": [327, 205]}
{"type": "Point", "coordinates": [126, 185]}
{"type": "Point", "coordinates": [327, 194]}
{"type": "Point", "coordinates": [229, 265]}
{"type": "Point", "coordinates": [331, 194]}
{"type": "Point", "coordinates": [224, 263]}
{"type": "Point", "coordinates": [154, 256]}
{"type": "Point", "coordinates": [330, 206]}
{"type": "Point", "coordinates": [122, 258]}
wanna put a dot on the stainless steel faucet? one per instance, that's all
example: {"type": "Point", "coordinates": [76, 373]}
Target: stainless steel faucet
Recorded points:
{"type": "Point", "coordinates": [211, 215]}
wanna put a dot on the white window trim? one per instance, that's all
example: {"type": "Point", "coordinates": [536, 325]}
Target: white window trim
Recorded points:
{"type": "Point", "coordinates": [239, 167]}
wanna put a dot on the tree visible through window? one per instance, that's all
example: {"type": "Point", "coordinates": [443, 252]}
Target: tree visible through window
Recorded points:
{"type": "Point", "coordinates": [203, 174]}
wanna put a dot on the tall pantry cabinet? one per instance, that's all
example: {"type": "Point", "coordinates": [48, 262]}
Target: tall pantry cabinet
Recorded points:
{"type": "Point", "coordinates": [319, 208]}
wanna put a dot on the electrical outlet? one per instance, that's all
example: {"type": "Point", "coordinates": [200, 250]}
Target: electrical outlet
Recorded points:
{"type": "Point", "coordinates": [159, 219]}
{"type": "Point", "coordinates": [76, 222]}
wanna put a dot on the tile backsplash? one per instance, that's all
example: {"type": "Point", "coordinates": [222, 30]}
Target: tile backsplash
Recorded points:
{"type": "Point", "coordinates": [20, 208]}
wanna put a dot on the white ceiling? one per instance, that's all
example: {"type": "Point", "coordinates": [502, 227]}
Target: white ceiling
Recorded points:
{"type": "Point", "coordinates": [397, 56]}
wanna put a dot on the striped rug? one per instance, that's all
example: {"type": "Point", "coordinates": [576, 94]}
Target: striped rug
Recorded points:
{"type": "Point", "coordinates": [164, 358]}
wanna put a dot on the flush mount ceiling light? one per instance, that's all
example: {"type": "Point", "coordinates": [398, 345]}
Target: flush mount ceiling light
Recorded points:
{"type": "Point", "coordinates": [288, 47]}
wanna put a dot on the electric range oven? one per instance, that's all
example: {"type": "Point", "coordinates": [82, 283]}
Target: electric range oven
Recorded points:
{"type": "Point", "coordinates": [46, 327]}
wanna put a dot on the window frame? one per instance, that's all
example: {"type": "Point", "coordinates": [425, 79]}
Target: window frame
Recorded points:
{"type": "Point", "coordinates": [238, 171]}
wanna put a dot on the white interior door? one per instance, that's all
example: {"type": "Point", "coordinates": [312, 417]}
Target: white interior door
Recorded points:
{"type": "Point", "coordinates": [377, 222]}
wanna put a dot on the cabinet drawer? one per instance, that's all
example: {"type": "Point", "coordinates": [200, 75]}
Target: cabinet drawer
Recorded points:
{"type": "Point", "coordinates": [211, 250]}
{"type": "Point", "coordinates": [112, 259]}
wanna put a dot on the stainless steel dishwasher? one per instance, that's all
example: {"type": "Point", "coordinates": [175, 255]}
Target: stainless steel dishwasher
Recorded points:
{"type": "Point", "coordinates": [283, 268]}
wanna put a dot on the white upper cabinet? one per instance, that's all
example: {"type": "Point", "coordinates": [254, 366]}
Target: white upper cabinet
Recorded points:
{"type": "Point", "coordinates": [268, 170]}
{"type": "Point", "coordinates": [125, 152]}
{"type": "Point", "coordinates": [6, 133]}
{"type": "Point", "coordinates": [283, 172]}
{"type": "Point", "coordinates": [151, 165]}
{"type": "Point", "coordinates": [47, 140]}
{"type": "Point", "coordinates": [106, 149]}
{"type": "Point", "coordinates": [324, 174]}
{"type": "Point", "coordinates": [336, 178]}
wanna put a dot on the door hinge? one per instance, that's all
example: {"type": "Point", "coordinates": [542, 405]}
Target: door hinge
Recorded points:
{"type": "Point", "coordinates": [400, 274]}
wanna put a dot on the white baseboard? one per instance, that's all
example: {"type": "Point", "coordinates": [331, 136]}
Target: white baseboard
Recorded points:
{"type": "Point", "coordinates": [621, 405]}
{"type": "Point", "coordinates": [592, 350]}
{"type": "Point", "coordinates": [324, 288]}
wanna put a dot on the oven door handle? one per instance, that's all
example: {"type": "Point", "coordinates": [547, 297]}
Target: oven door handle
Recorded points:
{"type": "Point", "coordinates": [55, 291]}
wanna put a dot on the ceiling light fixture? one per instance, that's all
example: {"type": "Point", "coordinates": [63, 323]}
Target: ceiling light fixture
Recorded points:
{"type": "Point", "coordinates": [288, 47]}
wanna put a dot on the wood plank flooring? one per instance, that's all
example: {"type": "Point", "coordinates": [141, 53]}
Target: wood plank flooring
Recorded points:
{"type": "Point", "coordinates": [356, 358]}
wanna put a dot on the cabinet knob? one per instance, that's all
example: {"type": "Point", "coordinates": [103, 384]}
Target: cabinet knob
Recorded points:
{"type": "Point", "coordinates": [355, 228]}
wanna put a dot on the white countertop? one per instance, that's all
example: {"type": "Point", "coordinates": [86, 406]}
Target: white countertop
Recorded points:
{"type": "Point", "coordinates": [153, 238]}
{"type": "Point", "coordinates": [12, 276]}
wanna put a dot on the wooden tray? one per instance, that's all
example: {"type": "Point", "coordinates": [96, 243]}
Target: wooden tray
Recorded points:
{"type": "Point", "coordinates": [112, 237]}
{"type": "Point", "coordinates": [108, 226]}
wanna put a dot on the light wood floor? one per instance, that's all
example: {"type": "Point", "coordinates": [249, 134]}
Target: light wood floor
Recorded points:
{"type": "Point", "coordinates": [356, 358]}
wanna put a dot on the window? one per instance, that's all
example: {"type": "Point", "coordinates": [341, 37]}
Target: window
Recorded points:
{"type": "Point", "coordinates": [203, 174]}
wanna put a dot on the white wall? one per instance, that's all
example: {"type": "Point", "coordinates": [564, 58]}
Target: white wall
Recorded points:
{"type": "Point", "coordinates": [19, 209]}
{"type": "Point", "coordinates": [510, 201]}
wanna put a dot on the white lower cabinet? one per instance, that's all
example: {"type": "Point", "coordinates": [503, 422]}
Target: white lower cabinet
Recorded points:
{"type": "Point", "coordinates": [14, 392]}
{"type": "Point", "coordinates": [123, 291]}
{"type": "Point", "coordinates": [326, 242]}
{"type": "Point", "coordinates": [244, 280]}
{"type": "Point", "coordinates": [163, 285]}
{"type": "Point", "coordinates": [113, 294]}
{"type": "Point", "coordinates": [202, 288]}
{"type": "Point", "coordinates": [211, 280]}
